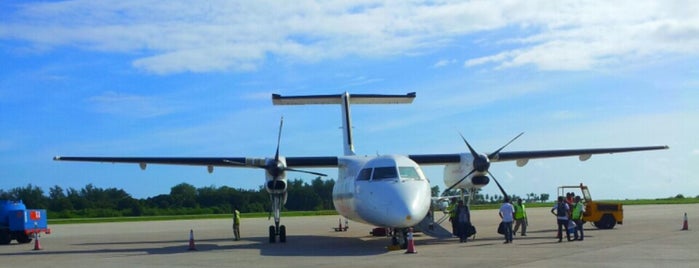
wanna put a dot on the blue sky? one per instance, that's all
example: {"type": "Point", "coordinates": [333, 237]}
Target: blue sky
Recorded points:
{"type": "Point", "coordinates": [146, 78]}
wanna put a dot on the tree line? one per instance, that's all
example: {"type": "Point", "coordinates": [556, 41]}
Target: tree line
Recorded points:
{"type": "Point", "coordinates": [183, 199]}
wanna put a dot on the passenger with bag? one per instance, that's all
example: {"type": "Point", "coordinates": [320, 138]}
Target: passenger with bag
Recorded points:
{"type": "Point", "coordinates": [463, 218]}
{"type": "Point", "coordinates": [562, 213]}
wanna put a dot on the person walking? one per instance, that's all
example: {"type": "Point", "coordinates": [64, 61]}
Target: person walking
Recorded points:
{"type": "Point", "coordinates": [578, 210]}
{"type": "Point", "coordinates": [236, 223]}
{"type": "Point", "coordinates": [463, 218]}
{"type": "Point", "coordinates": [520, 217]}
{"type": "Point", "coordinates": [507, 212]}
{"type": "Point", "coordinates": [562, 213]}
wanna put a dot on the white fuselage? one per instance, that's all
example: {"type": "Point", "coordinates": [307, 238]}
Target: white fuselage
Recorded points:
{"type": "Point", "coordinates": [387, 191]}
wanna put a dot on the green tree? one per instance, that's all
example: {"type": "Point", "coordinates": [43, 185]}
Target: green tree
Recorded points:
{"type": "Point", "coordinates": [184, 195]}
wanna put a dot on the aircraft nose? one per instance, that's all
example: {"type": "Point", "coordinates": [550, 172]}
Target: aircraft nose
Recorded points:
{"type": "Point", "coordinates": [399, 204]}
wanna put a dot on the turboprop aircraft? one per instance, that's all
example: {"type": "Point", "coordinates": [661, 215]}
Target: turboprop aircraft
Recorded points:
{"type": "Point", "coordinates": [385, 190]}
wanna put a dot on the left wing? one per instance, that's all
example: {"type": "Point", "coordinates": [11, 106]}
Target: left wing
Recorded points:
{"type": "Point", "coordinates": [524, 156]}
{"type": "Point", "coordinates": [320, 161]}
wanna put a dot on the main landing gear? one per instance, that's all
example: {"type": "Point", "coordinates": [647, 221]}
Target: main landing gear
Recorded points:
{"type": "Point", "coordinates": [277, 231]}
{"type": "Point", "coordinates": [399, 235]}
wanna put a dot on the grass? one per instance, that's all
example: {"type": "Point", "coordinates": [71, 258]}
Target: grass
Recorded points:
{"type": "Point", "coordinates": [659, 201]}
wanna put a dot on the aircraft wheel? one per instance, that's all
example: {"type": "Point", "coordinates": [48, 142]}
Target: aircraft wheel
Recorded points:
{"type": "Point", "coordinates": [272, 234]}
{"type": "Point", "coordinates": [282, 234]}
{"type": "Point", "coordinates": [23, 238]}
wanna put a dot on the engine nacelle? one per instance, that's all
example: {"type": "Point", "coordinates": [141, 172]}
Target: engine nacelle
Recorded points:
{"type": "Point", "coordinates": [276, 186]}
{"type": "Point", "coordinates": [480, 181]}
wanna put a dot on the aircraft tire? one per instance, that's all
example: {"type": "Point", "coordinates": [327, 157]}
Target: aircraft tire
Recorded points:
{"type": "Point", "coordinates": [282, 234]}
{"type": "Point", "coordinates": [272, 234]}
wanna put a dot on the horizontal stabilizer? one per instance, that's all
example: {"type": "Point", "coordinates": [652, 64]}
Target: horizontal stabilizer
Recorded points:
{"type": "Point", "coordinates": [337, 99]}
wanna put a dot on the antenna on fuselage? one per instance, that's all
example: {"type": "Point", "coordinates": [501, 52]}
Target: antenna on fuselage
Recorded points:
{"type": "Point", "coordinates": [345, 100]}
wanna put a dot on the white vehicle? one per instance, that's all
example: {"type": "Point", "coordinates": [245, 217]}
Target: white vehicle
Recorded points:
{"type": "Point", "coordinates": [387, 190]}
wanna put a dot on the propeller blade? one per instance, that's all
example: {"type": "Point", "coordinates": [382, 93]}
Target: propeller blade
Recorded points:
{"type": "Point", "coordinates": [306, 171]}
{"type": "Point", "coordinates": [504, 194]}
{"type": "Point", "coordinates": [457, 183]}
{"type": "Point", "coordinates": [493, 154]}
{"type": "Point", "coordinates": [279, 139]}
{"type": "Point", "coordinates": [473, 152]}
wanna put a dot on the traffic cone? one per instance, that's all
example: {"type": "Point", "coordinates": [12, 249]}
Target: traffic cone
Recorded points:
{"type": "Point", "coordinates": [37, 245]}
{"type": "Point", "coordinates": [411, 244]}
{"type": "Point", "coordinates": [191, 240]}
{"type": "Point", "coordinates": [339, 222]}
{"type": "Point", "coordinates": [685, 225]}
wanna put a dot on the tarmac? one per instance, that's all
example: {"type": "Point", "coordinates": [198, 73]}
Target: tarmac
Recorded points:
{"type": "Point", "coordinates": [651, 236]}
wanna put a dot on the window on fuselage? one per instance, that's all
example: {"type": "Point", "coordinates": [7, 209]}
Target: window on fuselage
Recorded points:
{"type": "Point", "coordinates": [408, 173]}
{"type": "Point", "coordinates": [364, 175]}
{"type": "Point", "coordinates": [383, 173]}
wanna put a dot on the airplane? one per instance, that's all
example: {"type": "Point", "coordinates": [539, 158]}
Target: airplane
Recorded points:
{"type": "Point", "coordinates": [384, 190]}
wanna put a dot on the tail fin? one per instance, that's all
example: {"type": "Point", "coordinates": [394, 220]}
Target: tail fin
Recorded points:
{"type": "Point", "coordinates": [345, 100]}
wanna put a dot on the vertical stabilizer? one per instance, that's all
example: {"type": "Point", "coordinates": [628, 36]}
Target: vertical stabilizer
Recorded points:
{"type": "Point", "coordinates": [345, 100]}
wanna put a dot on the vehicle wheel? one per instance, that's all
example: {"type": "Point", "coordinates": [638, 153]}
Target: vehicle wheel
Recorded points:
{"type": "Point", "coordinates": [606, 222]}
{"type": "Point", "coordinates": [23, 238]}
{"type": "Point", "coordinates": [282, 234]}
{"type": "Point", "coordinates": [5, 237]}
{"type": "Point", "coordinates": [272, 234]}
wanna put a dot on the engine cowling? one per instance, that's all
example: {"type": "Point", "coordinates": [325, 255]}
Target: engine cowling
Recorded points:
{"type": "Point", "coordinates": [480, 181]}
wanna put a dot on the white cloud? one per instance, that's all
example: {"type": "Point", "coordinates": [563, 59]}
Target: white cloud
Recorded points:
{"type": "Point", "coordinates": [185, 36]}
{"type": "Point", "coordinates": [443, 63]}
{"type": "Point", "coordinates": [121, 104]}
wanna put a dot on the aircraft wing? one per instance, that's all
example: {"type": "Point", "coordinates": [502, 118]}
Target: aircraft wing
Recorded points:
{"type": "Point", "coordinates": [332, 161]}
{"type": "Point", "coordinates": [319, 161]}
{"type": "Point", "coordinates": [583, 154]}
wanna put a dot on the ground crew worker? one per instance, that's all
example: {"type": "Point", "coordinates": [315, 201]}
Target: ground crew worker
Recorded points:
{"type": "Point", "coordinates": [520, 217]}
{"type": "Point", "coordinates": [576, 216]}
{"type": "Point", "coordinates": [236, 224]}
{"type": "Point", "coordinates": [453, 217]}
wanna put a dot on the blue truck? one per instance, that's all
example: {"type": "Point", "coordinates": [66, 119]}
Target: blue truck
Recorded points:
{"type": "Point", "coordinates": [19, 223]}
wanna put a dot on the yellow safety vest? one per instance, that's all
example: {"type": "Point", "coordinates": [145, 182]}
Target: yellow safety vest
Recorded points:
{"type": "Point", "coordinates": [236, 217]}
{"type": "Point", "coordinates": [577, 211]}
{"type": "Point", "coordinates": [520, 213]}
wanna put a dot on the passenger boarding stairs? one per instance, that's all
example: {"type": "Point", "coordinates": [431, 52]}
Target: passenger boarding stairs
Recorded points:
{"type": "Point", "coordinates": [434, 228]}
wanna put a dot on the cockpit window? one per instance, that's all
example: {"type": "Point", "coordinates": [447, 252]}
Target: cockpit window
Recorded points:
{"type": "Point", "coordinates": [382, 173]}
{"type": "Point", "coordinates": [364, 175]}
{"type": "Point", "coordinates": [408, 173]}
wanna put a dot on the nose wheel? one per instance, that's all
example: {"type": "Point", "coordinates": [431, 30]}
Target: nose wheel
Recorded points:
{"type": "Point", "coordinates": [274, 232]}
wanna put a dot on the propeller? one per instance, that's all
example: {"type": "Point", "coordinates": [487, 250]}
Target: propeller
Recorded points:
{"type": "Point", "coordinates": [275, 168]}
{"type": "Point", "coordinates": [481, 163]}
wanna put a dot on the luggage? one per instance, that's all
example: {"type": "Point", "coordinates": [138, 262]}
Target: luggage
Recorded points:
{"type": "Point", "coordinates": [501, 228]}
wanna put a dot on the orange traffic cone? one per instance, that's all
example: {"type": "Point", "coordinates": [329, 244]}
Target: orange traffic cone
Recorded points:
{"type": "Point", "coordinates": [411, 244]}
{"type": "Point", "coordinates": [37, 245]}
{"type": "Point", "coordinates": [685, 225]}
{"type": "Point", "coordinates": [191, 240]}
